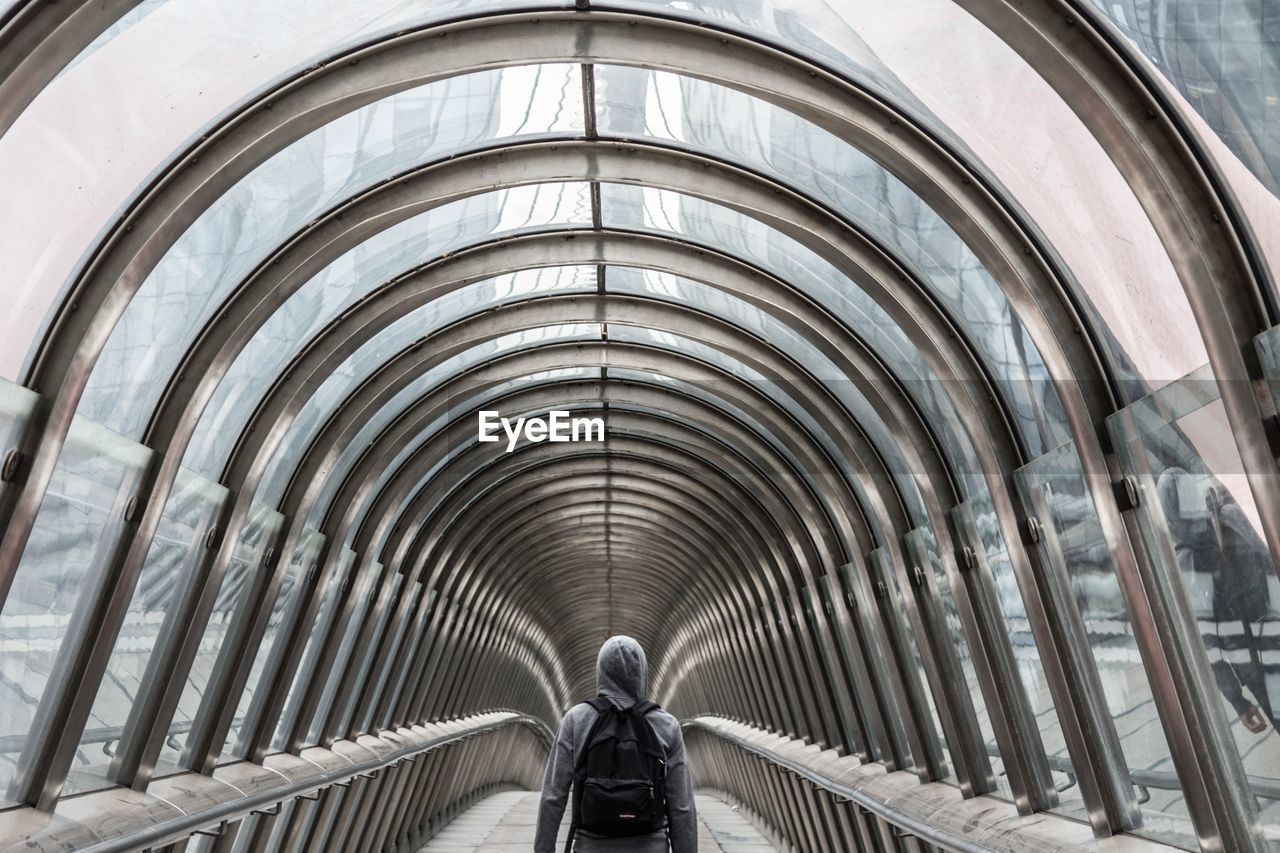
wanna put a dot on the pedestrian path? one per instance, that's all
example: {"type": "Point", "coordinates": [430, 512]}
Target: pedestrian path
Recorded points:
{"type": "Point", "coordinates": [504, 823]}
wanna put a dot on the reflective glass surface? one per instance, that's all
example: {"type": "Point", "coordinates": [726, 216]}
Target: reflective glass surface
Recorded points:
{"type": "Point", "coordinates": [357, 273]}
{"type": "Point", "coordinates": [894, 610]}
{"type": "Point", "coordinates": [421, 386]}
{"type": "Point", "coordinates": [639, 103]}
{"type": "Point", "coordinates": [461, 403]}
{"type": "Point", "coordinates": [381, 670]}
{"type": "Point", "coordinates": [718, 303]}
{"type": "Point", "coordinates": [977, 521]}
{"type": "Point", "coordinates": [922, 546]}
{"type": "Point", "coordinates": [1054, 490]}
{"type": "Point", "coordinates": [317, 634]}
{"type": "Point", "coordinates": [1202, 523]}
{"type": "Point", "coordinates": [665, 212]}
{"type": "Point", "coordinates": [366, 360]}
{"type": "Point", "coordinates": [78, 528]}
{"type": "Point", "coordinates": [288, 599]}
{"type": "Point", "coordinates": [974, 91]}
{"type": "Point", "coordinates": [362, 596]}
{"type": "Point", "coordinates": [293, 188]}
{"type": "Point", "coordinates": [179, 547]}
{"type": "Point", "coordinates": [253, 554]}
{"type": "Point", "coordinates": [362, 661]}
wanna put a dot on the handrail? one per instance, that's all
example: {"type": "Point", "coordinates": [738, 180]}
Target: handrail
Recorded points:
{"type": "Point", "coordinates": [170, 829]}
{"type": "Point", "coordinates": [1039, 830]}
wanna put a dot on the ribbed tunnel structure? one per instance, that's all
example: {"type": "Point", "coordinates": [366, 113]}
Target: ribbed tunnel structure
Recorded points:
{"type": "Point", "coordinates": [935, 345]}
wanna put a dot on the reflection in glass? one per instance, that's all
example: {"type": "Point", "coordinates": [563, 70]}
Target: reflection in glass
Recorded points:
{"type": "Point", "coordinates": [420, 387]}
{"type": "Point", "coordinates": [178, 548]}
{"type": "Point", "coordinates": [977, 518]}
{"type": "Point", "coordinates": [317, 635]}
{"type": "Point", "coordinates": [400, 334]}
{"type": "Point", "coordinates": [673, 288]}
{"type": "Point", "coordinates": [252, 554]}
{"type": "Point", "coordinates": [362, 596]}
{"type": "Point", "coordinates": [289, 597]}
{"type": "Point", "coordinates": [1054, 491]}
{"type": "Point", "coordinates": [1200, 515]}
{"type": "Point", "coordinates": [695, 220]}
{"type": "Point", "coordinates": [639, 103]}
{"type": "Point", "coordinates": [916, 678]}
{"type": "Point", "coordinates": [77, 530]}
{"type": "Point", "coordinates": [300, 183]}
{"type": "Point", "coordinates": [923, 547]}
{"type": "Point", "coordinates": [357, 273]}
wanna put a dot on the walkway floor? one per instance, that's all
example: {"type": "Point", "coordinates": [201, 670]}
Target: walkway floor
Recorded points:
{"type": "Point", "coordinates": [504, 823]}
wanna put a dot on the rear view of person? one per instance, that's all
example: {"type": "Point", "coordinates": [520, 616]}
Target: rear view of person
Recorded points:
{"type": "Point", "coordinates": [619, 735]}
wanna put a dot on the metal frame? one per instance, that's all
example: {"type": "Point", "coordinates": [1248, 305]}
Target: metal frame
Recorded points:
{"type": "Point", "coordinates": [1224, 324]}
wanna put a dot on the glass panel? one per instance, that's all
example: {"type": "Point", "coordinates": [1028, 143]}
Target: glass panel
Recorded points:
{"type": "Point", "coordinates": [378, 679]}
{"type": "Point", "coordinates": [861, 604]}
{"type": "Point", "coordinates": [458, 403]}
{"type": "Point", "coordinates": [288, 599]}
{"type": "Point", "coordinates": [363, 661]}
{"type": "Point", "coordinates": [638, 103]}
{"type": "Point", "coordinates": [188, 62]}
{"type": "Point", "coordinates": [420, 387]}
{"type": "Point", "coordinates": [353, 276]}
{"type": "Point", "coordinates": [1054, 490]}
{"type": "Point", "coordinates": [403, 332]}
{"type": "Point", "coordinates": [972, 89]}
{"type": "Point", "coordinates": [178, 548]}
{"type": "Point", "coordinates": [976, 519]}
{"type": "Point", "coordinates": [316, 637]}
{"type": "Point", "coordinates": [1202, 525]}
{"type": "Point", "coordinates": [252, 555]}
{"type": "Point", "coordinates": [78, 528]}
{"type": "Point", "coordinates": [922, 546]}
{"type": "Point", "coordinates": [695, 220]}
{"type": "Point", "coordinates": [290, 190]}
{"type": "Point", "coordinates": [361, 597]}
{"type": "Point", "coordinates": [686, 291]}
{"type": "Point", "coordinates": [1222, 57]}
{"type": "Point", "coordinates": [16, 406]}
{"type": "Point", "coordinates": [917, 678]}
{"type": "Point", "coordinates": [416, 646]}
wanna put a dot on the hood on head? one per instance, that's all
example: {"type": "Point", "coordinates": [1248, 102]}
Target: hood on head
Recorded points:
{"type": "Point", "coordinates": [621, 670]}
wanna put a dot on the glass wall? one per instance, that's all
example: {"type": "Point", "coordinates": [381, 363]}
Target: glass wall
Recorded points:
{"type": "Point", "coordinates": [1201, 524]}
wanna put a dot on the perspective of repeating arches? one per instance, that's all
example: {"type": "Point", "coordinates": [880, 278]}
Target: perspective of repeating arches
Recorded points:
{"type": "Point", "coordinates": [934, 341]}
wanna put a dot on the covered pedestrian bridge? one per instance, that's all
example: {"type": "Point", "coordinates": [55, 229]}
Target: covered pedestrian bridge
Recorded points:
{"type": "Point", "coordinates": [935, 346]}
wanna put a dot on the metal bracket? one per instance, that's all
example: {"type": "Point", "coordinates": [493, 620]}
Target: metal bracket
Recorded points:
{"type": "Point", "coordinates": [1128, 493]}
{"type": "Point", "coordinates": [917, 576]}
{"type": "Point", "coordinates": [132, 508]}
{"type": "Point", "coordinates": [1032, 532]}
{"type": "Point", "coordinates": [209, 833]}
{"type": "Point", "coordinates": [12, 465]}
{"type": "Point", "coordinates": [967, 560]}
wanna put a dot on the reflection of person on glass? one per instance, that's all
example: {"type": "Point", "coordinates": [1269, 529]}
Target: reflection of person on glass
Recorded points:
{"type": "Point", "coordinates": [1226, 568]}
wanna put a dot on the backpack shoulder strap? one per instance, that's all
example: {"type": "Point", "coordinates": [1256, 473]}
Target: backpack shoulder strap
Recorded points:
{"type": "Point", "coordinates": [644, 708]}
{"type": "Point", "coordinates": [601, 706]}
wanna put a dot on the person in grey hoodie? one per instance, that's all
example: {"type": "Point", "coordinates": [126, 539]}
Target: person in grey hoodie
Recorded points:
{"type": "Point", "coordinates": [622, 678]}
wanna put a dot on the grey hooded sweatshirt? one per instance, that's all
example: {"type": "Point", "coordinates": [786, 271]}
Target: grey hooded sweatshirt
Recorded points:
{"type": "Point", "coordinates": [622, 678]}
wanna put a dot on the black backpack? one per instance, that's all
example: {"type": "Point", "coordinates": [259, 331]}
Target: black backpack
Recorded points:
{"type": "Point", "coordinates": [620, 780]}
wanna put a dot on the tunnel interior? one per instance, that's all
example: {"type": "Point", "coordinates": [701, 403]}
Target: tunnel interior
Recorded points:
{"type": "Point", "coordinates": [900, 376]}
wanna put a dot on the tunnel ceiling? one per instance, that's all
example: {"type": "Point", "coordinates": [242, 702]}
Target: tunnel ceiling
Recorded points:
{"type": "Point", "coordinates": [854, 302]}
